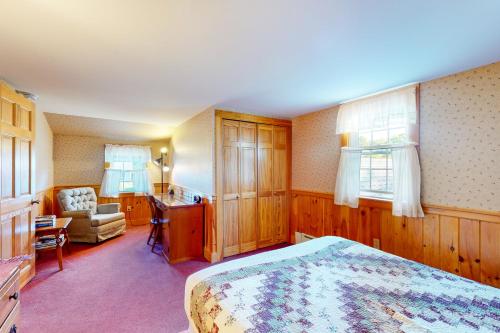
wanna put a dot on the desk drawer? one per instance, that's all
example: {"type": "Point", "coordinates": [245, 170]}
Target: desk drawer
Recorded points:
{"type": "Point", "coordinates": [9, 297]}
{"type": "Point", "coordinates": [11, 324]}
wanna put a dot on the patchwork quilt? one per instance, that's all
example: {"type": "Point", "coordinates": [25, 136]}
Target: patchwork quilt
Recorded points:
{"type": "Point", "coordinates": [332, 284]}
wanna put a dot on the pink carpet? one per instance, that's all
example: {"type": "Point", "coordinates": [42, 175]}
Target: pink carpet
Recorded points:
{"type": "Point", "coordinates": [116, 286]}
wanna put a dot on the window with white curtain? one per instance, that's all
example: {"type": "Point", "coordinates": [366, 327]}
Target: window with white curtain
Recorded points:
{"type": "Point", "coordinates": [126, 170]}
{"type": "Point", "coordinates": [379, 128]}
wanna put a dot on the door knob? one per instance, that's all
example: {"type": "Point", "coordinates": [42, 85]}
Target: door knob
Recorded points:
{"type": "Point", "coordinates": [35, 202]}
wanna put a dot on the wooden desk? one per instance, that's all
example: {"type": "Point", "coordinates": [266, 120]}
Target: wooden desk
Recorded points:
{"type": "Point", "coordinates": [182, 236]}
{"type": "Point", "coordinates": [58, 229]}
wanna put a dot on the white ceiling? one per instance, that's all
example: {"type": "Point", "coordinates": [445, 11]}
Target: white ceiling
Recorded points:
{"type": "Point", "coordinates": [162, 61]}
{"type": "Point", "coordinates": [106, 128]}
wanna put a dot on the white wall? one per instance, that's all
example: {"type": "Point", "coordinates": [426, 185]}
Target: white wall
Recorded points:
{"type": "Point", "coordinates": [43, 153]}
{"type": "Point", "coordinates": [192, 153]}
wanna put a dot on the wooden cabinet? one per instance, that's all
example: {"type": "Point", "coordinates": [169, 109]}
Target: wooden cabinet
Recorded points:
{"type": "Point", "coordinates": [239, 190]}
{"type": "Point", "coordinates": [16, 178]}
{"type": "Point", "coordinates": [182, 235]}
{"type": "Point", "coordinates": [254, 185]}
{"type": "Point", "coordinates": [9, 299]}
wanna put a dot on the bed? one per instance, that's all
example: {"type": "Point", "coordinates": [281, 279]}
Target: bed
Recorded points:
{"type": "Point", "coordinates": [332, 284]}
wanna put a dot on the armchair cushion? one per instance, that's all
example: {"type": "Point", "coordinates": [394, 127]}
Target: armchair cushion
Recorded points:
{"type": "Point", "coordinates": [109, 208]}
{"type": "Point", "coordinates": [81, 198]}
{"type": "Point", "coordinates": [78, 214]}
{"type": "Point", "coordinates": [102, 219]}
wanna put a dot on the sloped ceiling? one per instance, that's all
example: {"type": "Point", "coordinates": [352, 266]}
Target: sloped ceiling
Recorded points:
{"type": "Point", "coordinates": [107, 128]}
{"type": "Point", "coordinates": [162, 61]}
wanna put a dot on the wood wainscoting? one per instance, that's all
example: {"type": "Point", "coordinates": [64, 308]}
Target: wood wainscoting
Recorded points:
{"type": "Point", "coordinates": [461, 241]}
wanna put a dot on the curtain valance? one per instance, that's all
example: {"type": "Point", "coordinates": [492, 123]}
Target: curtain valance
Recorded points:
{"type": "Point", "coordinates": [394, 109]}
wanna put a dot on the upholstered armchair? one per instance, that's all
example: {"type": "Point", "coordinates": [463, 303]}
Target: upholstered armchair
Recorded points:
{"type": "Point", "coordinates": [91, 222]}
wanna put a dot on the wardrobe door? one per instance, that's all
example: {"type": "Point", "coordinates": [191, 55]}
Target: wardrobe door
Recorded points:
{"type": "Point", "coordinates": [231, 137]}
{"type": "Point", "coordinates": [265, 185]}
{"type": "Point", "coordinates": [248, 186]}
{"type": "Point", "coordinates": [280, 183]}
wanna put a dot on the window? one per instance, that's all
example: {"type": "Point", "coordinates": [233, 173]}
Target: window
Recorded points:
{"type": "Point", "coordinates": [375, 126]}
{"type": "Point", "coordinates": [126, 170]}
{"type": "Point", "coordinates": [126, 175]}
{"type": "Point", "coordinates": [376, 176]}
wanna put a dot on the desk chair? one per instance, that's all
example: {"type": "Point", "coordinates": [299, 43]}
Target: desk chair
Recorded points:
{"type": "Point", "coordinates": [156, 222]}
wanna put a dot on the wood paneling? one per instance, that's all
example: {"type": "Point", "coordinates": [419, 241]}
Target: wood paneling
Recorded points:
{"type": "Point", "coordinates": [468, 249]}
{"type": "Point", "coordinates": [448, 248]}
{"type": "Point", "coordinates": [464, 242]}
{"type": "Point", "coordinates": [253, 156]}
{"type": "Point", "coordinates": [16, 179]}
{"type": "Point", "coordinates": [431, 238]}
{"type": "Point", "coordinates": [490, 253]}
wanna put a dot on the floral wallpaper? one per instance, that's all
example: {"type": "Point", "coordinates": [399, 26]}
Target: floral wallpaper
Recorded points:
{"type": "Point", "coordinates": [79, 160]}
{"type": "Point", "coordinates": [315, 151]}
{"type": "Point", "coordinates": [459, 142]}
{"type": "Point", "coordinates": [460, 139]}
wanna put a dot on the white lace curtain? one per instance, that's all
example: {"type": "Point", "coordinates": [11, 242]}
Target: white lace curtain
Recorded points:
{"type": "Point", "coordinates": [347, 185]}
{"type": "Point", "coordinates": [126, 159]}
{"type": "Point", "coordinates": [388, 110]}
{"type": "Point", "coordinates": [406, 182]}
{"type": "Point", "coordinates": [395, 109]}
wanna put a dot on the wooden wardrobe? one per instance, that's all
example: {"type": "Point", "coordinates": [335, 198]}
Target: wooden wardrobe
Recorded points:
{"type": "Point", "coordinates": [253, 181]}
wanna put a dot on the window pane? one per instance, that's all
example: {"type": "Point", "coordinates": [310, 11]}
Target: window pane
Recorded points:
{"type": "Point", "coordinates": [365, 161]}
{"type": "Point", "coordinates": [397, 135]}
{"type": "Point", "coordinates": [378, 180]}
{"type": "Point", "coordinates": [364, 179]}
{"type": "Point", "coordinates": [389, 160]}
{"type": "Point", "coordinates": [128, 186]}
{"type": "Point", "coordinates": [379, 161]}
{"type": "Point", "coordinates": [127, 176]}
{"type": "Point", "coordinates": [379, 137]}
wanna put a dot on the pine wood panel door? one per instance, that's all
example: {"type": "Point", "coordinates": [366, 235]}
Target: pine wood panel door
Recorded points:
{"type": "Point", "coordinates": [280, 183]}
{"type": "Point", "coordinates": [231, 188]}
{"type": "Point", "coordinates": [16, 178]}
{"type": "Point", "coordinates": [248, 187]}
{"type": "Point", "coordinates": [266, 226]}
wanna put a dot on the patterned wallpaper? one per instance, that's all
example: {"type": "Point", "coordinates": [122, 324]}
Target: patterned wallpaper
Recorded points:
{"type": "Point", "coordinates": [460, 139]}
{"type": "Point", "coordinates": [459, 142]}
{"type": "Point", "coordinates": [315, 151]}
{"type": "Point", "coordinates": [79, 160]}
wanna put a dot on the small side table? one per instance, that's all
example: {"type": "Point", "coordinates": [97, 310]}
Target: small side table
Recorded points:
{"type": "Point", "coordinates": [58, 229]}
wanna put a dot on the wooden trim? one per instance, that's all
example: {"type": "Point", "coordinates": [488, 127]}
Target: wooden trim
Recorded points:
{"type": "Point", "coordinates": [12, 96]}
{"type": "Point", "coordinates": [473, 214]}
{"type": "Point", "coordinates": [219, 184]}
{"type": "Point", "coordinates": [230, 115]}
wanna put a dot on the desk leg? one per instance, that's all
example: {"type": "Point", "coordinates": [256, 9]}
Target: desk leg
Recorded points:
{"type": "Point", "coordinates": [59, 253]}
{"type": "Point", "coordinates": [68, 247]}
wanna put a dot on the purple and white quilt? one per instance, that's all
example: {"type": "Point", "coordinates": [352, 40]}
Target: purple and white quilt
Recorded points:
{"type": "Point", "coordinates": [332, 284]}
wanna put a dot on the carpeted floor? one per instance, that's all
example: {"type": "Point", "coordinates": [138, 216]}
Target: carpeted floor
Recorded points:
{"type": "Point", "coordinates": [116, 286]}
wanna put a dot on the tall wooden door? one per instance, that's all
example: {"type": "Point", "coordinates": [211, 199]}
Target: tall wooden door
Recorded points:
{"type": "Point", "coordinates": [231, 189]}
{"type": "Point", "coordinates": [17, 227]}
{"type": "Point", "coordinates": [280, 183]}
{"type": "Point", "coordinates": [266, 229]}
{"type": "Point", "coordinates": [248, 187]}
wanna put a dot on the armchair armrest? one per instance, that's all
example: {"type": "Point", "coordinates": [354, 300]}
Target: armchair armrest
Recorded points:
{"type": "Point", "coordinates": [109, 208]}
{"type": "Point", "coordinates": [78, 214]}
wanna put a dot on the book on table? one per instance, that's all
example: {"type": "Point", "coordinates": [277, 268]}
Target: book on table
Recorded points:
{"type": "Point", "coordinates": [45, 221]}
{"type": "Point", "coordinates": [49, 241]}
